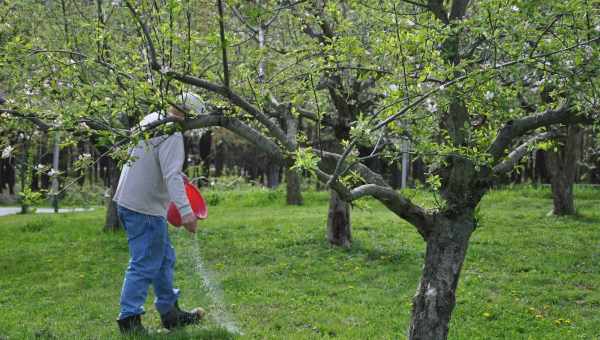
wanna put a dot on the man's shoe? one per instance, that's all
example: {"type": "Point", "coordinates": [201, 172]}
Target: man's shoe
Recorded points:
{"type": "Point", "coordinates": [178, 318]}
{"type": "Point", "coordinates": [131, 325]}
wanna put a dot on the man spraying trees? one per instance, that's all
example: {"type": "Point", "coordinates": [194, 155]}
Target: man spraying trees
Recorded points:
{"type": "Point", "coordinates": [146, 187]}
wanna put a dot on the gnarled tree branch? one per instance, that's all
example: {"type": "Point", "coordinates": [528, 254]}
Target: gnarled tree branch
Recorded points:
{"type": "Point", "coordinates": [437, 7]}
{"type": "Point", "coordinates": [515, 156]}
{"type": "Point", "coordinates": [393, 200]}
{"type": "Point", "coordinates": [223, 91]}
{"type": "Point", "coordinates": [519, 127]}
{"type": "Point", "coordinates": [30, 117]}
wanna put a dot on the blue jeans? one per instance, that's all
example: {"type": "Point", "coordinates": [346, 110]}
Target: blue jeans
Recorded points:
{"type": "Point", "coordinates": [152, 261]}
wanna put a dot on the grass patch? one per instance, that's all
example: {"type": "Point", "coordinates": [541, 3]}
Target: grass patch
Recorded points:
{"type": "Point", "coordinates": [527, 276]}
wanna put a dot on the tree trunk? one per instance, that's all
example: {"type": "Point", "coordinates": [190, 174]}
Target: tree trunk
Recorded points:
{"type": "Point", "coordinates": [205, 146]}
{"type": "Point", "coordinates": [23, 176]}
{"type": "Point", "coordinates": [562, 165]}
{"type": "Point", "coordinates": [436, 295]}
{"type": "Point", "coordinates": [294, 192]}
{"type": "Point", "coordinates": [339, 231]}
{"type": "Point", "coordinates": [273, 175]}
{"type": "Point", "coordinates": [55, 165]}
{"type": "Point", "coordinates": [112, 222]}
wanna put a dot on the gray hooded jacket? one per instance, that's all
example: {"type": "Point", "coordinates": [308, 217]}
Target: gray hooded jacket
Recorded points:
{"type": "Point", "coordinates": [153, 178]}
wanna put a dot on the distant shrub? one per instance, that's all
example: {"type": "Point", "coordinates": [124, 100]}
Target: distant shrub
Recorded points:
{"type": "Point", "coordinates": [83, 196]}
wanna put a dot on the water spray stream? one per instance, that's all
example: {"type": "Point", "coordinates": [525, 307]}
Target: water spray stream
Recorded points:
{"type": "Point", "coordinates": [219, 314]}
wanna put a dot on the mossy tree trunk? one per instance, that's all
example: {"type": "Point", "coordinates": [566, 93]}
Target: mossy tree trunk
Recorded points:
{"type": "Point", "coordinates": [562, 164]}
{"type": "Point", "coordinates": [339, 226]}
{"type": "Point", "coordinates": [293, 188]}
{"type": "Point", "coordinates": [112, 222]}
{"type": "Point", "coordinates": [436, 296]}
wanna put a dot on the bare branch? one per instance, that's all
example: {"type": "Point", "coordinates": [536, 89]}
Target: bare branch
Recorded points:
{"type": "Point", "coordinates": [243, 20]}
{"type": "Point", "coordinates": [367, 174]}
{"type": "Point", "coordinates": [393, 200]}
{"type": "Point", "coordinates": [238, 101]}
{"type": "Point", "coordinates": [223, 46]}
{"type": "Point", "coordinates": [151, 50]}
{"type": "Point", "coordinates": [517, 128]}
{"type": "Point", "coordinates": [241, 129]}
{"type": "Point", "coordinates": [84, 56]}
{"type": "Point", "coordinates": [30, 117]}
{"type": "Point", "coordinates": [224, 91]}
{"type": "Point", "coordinates": [399, 205]}
{"type": "Point", "coordinates": [515, 156]}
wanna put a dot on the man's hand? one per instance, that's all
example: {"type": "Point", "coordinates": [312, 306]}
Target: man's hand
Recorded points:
{"type": "Point", "coordinates": [190, 222]}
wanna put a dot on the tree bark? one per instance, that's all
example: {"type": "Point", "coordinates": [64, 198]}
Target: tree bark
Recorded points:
{"type": "Point", "coordinates": [55, 165]}
{"type": "Point", "coordinates": [294, 192]}
{"type": "Point", "coordinates": [436, 296]}
{"type": "Point", "coordinates": [112, 222]}
{"type": "Point", "coordinates": [562, 165]}
{"type": "Point", "coordinates": [205, 146]}
{"type": "Point", "coordinates": [273, 175]}
{"type": "Point", "coordinates": [339, 226]}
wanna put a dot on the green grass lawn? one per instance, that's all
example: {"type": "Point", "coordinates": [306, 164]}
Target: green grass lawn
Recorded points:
{"type": "Point", "coordinates": [527, 275]}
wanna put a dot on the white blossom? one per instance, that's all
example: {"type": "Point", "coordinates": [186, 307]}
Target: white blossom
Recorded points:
{"type": "Point", "coordinates": [53, 172]}
{"type": "Point", "coordinates": [393, 87]}
{"type": "Point", "coordinates": [164, 69]}
{"type": "Point", "coordinates": [7, 151]}
{"type": "Point", "coordinates": [569, 64]}
{"type": "Point", "coordinates": [84, 156]}
{"type": "Point", "coordinates": [431, 106]}
{"type": "Point", "coordinates": [589, 51]}
{"type": "Point", "coordinates": [514, 8]}
{"type": "Point", "coordinates": [489, 95]}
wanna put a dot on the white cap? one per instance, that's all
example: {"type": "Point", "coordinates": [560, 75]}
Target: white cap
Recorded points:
{"type": "Point", "coordinates": [191, 103]}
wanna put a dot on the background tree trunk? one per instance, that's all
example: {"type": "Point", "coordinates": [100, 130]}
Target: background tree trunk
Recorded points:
{"type": "Point", "coordinates": [273, 175]}
{"type": "Point", "coordinates": [436, 296]}
{"type": "Point", "coordinates": [562, 165]}
{"type": "Point", "coordinates": [55, 165]}
{"type": "Point", "coordinates": [205, 146]}
{"type": "Point", "coordinates": [294, 192]}
{"type": "Point", "coordinates": [112, 222]}
{"type": "Point", "coordinates": [339, 225]}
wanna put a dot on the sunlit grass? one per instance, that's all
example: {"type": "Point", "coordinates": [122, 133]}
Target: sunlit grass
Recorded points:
{"type": "Point", "coordinates": [527, 275]}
